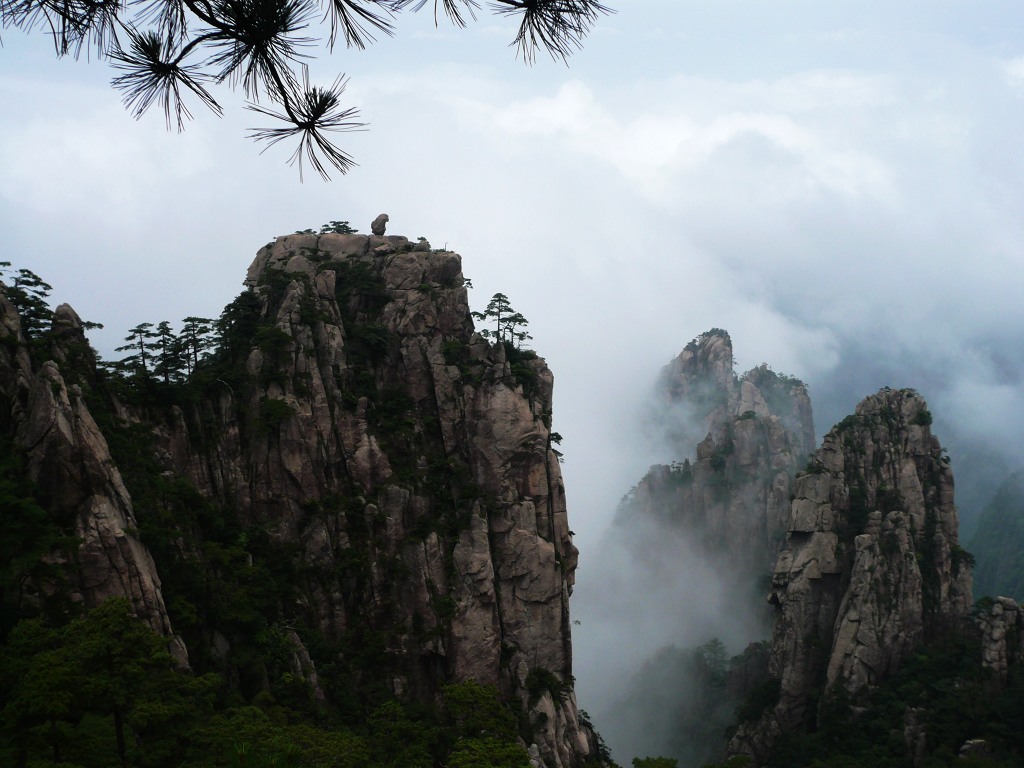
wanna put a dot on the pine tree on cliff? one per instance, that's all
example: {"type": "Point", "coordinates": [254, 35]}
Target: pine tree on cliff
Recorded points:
{"type": "Point", "coordinates": [196, 341]}
{"type": "Point", "coordinates": [29, 293]}
{"type": "Point", "coordinates": [140, 342]}
{"type": "Point", "coordinates": [170, 49]}
{"type": "Point", "coordinates": [168, 362]}
{"type": "Point", "coordinates": [509, 325]}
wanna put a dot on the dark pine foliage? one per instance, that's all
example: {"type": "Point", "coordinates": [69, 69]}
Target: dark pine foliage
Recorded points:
{"type": "Point", "coordinates": [168, 52]}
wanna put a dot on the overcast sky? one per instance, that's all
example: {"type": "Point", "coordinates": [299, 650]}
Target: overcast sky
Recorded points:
{"type": "Point", "coordinates": [838, 184]}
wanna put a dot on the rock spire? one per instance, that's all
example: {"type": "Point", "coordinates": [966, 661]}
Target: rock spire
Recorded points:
{"type": "Point", "coordinates": [738, 440]}
{"type": "Point", "coordinates": [358, 422]}
{"type": "Point", "coordinates": [871, 566]}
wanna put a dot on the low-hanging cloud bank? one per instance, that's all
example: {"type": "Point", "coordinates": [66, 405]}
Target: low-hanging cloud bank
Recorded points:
{"type": "Point", "coordinates": [844, 195]}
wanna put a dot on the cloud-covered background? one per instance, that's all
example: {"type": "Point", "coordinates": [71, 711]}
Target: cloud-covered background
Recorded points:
{"type": "Point", "coordinates": [840, 185]}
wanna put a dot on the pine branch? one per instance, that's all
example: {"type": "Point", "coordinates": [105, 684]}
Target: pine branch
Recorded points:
{"type": "Point", "coordinates": [558, 26]}
{"type": "Point", "coordinates": [357, 22]}
{"type": "Point", "coordinates": [257, 44]}
{"type": "Point", "coordinates": [312, 111]}
{"type": "Point", "coordinates": [453, 9]}
{"type": "Point", "coordinates": [152, 73]}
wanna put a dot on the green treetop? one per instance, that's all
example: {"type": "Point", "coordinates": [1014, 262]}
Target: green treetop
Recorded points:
{"type": "Point", "coordinates": [509, 325]}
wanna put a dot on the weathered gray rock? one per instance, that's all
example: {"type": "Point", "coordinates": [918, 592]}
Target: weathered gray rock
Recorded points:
{"type": "Point", "coordinates": [752, 433]}
{"type": "Point", "coordinates": [69, 461]}
{"type": "Point", "coordinates": [427, 462]}
{"type": "Point", "coordinates": [374, 436]}
{"type": "Point", "coordinates": [736, 444]}
{"type": "Point", "coordinates": [871, 567]}
{"type": "Point", "coordinates": [915, 735]}
{"type": "Point", "coordinates": [1001, 622]}
{"type": "Point", "coordinates": [379, 224]}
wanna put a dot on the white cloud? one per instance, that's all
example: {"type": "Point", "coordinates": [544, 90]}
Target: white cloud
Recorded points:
{"type": "Point", "coordinates": [659, 144]}
{"type": "Point", "coordinates": [48, 163]}
{"type": "Point", "coordinates": [840, 189]}
{"type": "Point", "coordinates": [1014, 72]}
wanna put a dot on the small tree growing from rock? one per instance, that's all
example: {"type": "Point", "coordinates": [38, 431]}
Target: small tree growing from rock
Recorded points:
{"type": "Point", "coordinates": [509, 325]}
{"type": "Point", "coordinates": [29, 294]}
{"type": "Point", "coordinates": [337, 227]}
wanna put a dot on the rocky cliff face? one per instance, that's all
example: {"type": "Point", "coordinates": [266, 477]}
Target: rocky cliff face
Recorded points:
{"type": "Point", "coordinates": [701, 381]}
{"type": "Point", "coordinates": [1000, 621]}
{"type": "Point", "coordinates": [69, 461]}
{"type": "Point", "coordinates": [354, 419]}
{"type": "Point", "coordinates": [440, 446]}
{"type": "Point", "coordinates": [871, 567]}
{"type": "Point", "coordinates": [701, 533]}
{"type": "Point", "coordinates": [751, 434]}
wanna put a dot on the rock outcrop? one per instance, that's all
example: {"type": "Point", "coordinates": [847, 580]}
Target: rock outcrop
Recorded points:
{"type": "Point", "coordinates": [437, 438]}
{"type": "Point", "coordinates": [354, 420]}
{"type": "Point", "coordinates": [69, 461]}
{"type": "Point", "coordinates": [751, 434]}
{"type": "Point", "coordinates": [1001, 624]}
{"type": "Point", "coordinates": [702, 532]}
{"type": "Point", "coordinates": [439, 444]}
{"type": "Point", "coordinates": [871, 567]}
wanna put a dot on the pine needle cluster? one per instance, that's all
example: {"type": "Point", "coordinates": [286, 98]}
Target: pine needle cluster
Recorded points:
{"type": "Point", "coordinates": [168, 52]}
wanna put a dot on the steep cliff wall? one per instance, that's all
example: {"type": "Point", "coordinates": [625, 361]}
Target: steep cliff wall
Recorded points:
{"type": "Point", "coordinates": [871, 567]}
{"type": "Point", "coordinates": [353, 467]}
{"type": "Point", "coordinates": [699, 536]}
{"type": "Point", "coordinates": [702, 382]}
{"type": "Point", "coordinates": [70, 463]}
{"type": "Point", "coordinates": [407, 440]}
{"type": "Point", "coordinates": [1000, 622]}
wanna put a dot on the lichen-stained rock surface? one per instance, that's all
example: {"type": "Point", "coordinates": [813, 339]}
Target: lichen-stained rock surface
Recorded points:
{"type": "Point", "coordinates": [871, 568]}
{"type": "Point", "coordinates": [407, 461]}
{"type": "Point", "coordinates": [1001, 624]}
